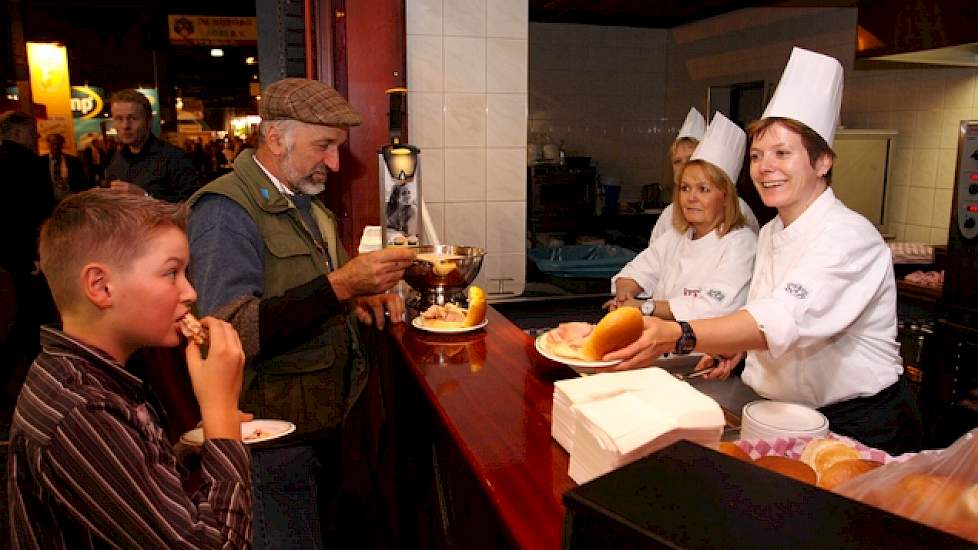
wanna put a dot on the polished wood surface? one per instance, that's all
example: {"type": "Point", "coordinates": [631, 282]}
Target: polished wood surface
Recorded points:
{"type": "Point", "coordinates": [493, 393]}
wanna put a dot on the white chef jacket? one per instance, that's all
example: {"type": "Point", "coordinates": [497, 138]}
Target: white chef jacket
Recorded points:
{"type": "Point", "coordinates": [824, 295]}
{"type": "Point", "coordinates": [706, 277]}
{"type": "Point", "coordinates": [664, 223]}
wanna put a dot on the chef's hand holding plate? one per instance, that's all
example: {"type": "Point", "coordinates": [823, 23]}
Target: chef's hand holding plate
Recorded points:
{"type": "Point", "coordinates": [658, 337]}
{"type": "Point", "coordinates": [371, 273]}
{"type": "Point", "coordinates": [216, 380]}
{"type": "Point", "coordinates": [625, 289]}
{"type": "Point", "coordinates": [372, 309]}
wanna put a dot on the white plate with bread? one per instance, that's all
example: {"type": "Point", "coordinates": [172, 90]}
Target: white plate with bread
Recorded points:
{"type": "Point", "coordinates": [580, 365]}
{"type": "Point", "coordinates": [439, 327]}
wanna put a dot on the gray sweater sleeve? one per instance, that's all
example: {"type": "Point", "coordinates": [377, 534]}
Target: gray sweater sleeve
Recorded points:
{"type": "Point", "coordinates": [226, 265]}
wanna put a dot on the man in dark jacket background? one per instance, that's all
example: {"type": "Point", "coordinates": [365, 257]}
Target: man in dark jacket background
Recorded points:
{"type": "Point", "coordinates": [143, 164]}
{"type": "Point", "coordinates": [66, 173]}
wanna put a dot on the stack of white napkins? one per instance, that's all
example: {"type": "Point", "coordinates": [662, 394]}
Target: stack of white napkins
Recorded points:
{"type": "Point", "coordinates": [608, 420]}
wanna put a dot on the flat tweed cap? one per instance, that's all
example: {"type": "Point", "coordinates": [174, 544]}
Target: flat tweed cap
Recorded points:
{"type": "Point", "coordinates": [306, 101]}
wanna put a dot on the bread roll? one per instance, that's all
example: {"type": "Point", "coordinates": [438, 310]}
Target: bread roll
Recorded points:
{"type": "Point", "coordinates": [821, 454]}
{"type": "Point", "coordinates": [844, 470]}
{"type": "Point", "coordinates": [193, 330]}
{"type": "Point", "coordinates": [616, 330]}
{"type": "Point", "coordinates": [730, 449]}
{"type": "Point", "coordinates": [787, 467]}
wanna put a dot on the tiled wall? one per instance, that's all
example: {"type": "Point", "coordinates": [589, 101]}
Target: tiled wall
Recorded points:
{"type": "Point", "coordinates": [924, 104]}
{"type": "Point", "coordinates": [600, 90]}
{"type": "Point", "coordinates": [467, 111]}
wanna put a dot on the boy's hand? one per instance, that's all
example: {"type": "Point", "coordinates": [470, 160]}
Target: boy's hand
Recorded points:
{"type": "Point", "coordinates": [217, 379]}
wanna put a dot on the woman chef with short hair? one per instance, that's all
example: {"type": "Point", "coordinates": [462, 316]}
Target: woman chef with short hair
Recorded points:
{"type": "Point", "coordinates": [820, 319]}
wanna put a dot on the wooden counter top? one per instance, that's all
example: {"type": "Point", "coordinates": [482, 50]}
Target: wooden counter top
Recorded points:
{"type": "Point", "coordinates": [493, 393]}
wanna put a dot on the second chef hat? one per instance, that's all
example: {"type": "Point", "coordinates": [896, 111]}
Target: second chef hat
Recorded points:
{"type": "Point", "coordinates": [810, 91]}
{"type": "Point", "coordinates": [693, 126]}
{"type": "Point", "coordinates": [723, 146]}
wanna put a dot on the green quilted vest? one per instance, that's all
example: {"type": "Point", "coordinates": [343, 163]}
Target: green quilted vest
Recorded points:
{"type": "Point", "coordinates": [314, 383]}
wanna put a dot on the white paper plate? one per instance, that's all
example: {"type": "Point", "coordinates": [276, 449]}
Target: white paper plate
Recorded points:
{"type": "Point", "coordinates": [778, 419]}
{"type": "Point", "coordinates": [269, 429]}
{"type": "Point", "coordinates": [579, 365]}
{"type": "Point", "coordinates": [418, 323]}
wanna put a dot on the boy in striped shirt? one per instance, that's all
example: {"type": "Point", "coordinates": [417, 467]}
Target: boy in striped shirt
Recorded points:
{"type": "Point", "coordinates": [89, 462]}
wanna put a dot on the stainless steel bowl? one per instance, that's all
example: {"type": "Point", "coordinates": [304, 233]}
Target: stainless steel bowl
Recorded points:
{"type": "Point", "coordinates": [441, 282]}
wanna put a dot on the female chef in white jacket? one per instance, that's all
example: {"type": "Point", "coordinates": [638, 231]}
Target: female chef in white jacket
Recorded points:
{"type": "Point", "coordinates": [690, 134]}
{"type": "Point", "coordinates": [820, 320]}
{"type": "Point", "coordinates": [703, 267]}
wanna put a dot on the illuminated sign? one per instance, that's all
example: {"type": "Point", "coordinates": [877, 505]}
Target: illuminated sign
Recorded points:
{"type": "Point", "coordinates": [206, 30]}
{"type": "Point", "coordinates": [48, 65]}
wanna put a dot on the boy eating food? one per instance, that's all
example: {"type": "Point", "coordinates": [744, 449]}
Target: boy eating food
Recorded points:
{"type": "Point", "coordinates": [89, 462]}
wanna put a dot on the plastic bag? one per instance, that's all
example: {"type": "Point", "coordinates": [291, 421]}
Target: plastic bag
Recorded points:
{"type": "Point", "coordinates": [938, 488]}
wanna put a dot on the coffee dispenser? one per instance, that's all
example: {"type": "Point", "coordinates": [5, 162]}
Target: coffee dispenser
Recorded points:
{"type": "Point", "coordinates": [400, 181]}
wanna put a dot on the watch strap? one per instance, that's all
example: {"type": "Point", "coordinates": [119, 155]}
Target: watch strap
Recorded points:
{"type": "Point", "coordinates": [687, 341]}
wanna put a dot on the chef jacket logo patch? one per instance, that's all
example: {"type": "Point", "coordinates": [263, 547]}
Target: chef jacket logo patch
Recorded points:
{"type": "Point", "coordinates": [796, 290]}
{"type": "Point", "coordinates": [717, 295]}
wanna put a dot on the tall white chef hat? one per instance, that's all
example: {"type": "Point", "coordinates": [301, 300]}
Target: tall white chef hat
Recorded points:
{"type": "Point", "coordinates": [723, 146]}
{"type": "Point", "coordinates": [693, 126]}
{"type": "Point", "coordinates": [810, 92]}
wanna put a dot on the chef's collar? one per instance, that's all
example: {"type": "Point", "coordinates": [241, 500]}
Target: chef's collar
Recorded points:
{"type": "Point", "coordinates": [810, 220]}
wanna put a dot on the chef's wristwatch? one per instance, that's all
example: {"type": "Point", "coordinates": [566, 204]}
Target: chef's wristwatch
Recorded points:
{"type": "Point", "coordinates": [686, 342]}
{"type": "Point", "coordinates": [648, 307]}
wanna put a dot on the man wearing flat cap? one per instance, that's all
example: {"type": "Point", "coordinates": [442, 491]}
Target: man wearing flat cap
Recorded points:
{"type": "Point", "coordinates": [267, 257]}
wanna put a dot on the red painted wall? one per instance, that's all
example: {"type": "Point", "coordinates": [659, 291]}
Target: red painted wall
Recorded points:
{"type": "Point", "coordinates": [369, 57]}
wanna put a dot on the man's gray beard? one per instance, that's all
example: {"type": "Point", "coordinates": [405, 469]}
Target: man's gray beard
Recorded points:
{"type": "Point", "coordinates": [310, 188]}
{"type": "Point", "coordinates": [297, 182]}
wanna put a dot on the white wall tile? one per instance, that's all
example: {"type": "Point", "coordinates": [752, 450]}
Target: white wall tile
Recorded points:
{"type": "Point", "coordinates": [432, 162]}
{"type": "Point", "coordinates": [896, 208]}
{"type": "Point", "coordinates": [959, 90]}
{"type": "Point", "coordinates": [919, 206]}
{"type": "Point", "coordinates": [465, 224]}
{"type": "Point", "coordinates": [923, 169]}
{"type": "Point", "coordinates": [424, 64]}
{"type": "Point", "coordinates": [506, 122]}
{"type": "Point", "coordinates": [424, 17]}
{"type": "Point", "coordinates": [465, 120]}
{"type": "Point", "coordinates": [951, 125]}
{"type": "Point", "coordinates": [938, 236]}
{"type": "Point", "coordinates": [465, 64]}
{"type": "Point", "coordinates": [436, 211]}
{"type": "Point", "coordinates": [465, 18]}
{"type": "Point", "coordinates": [465, 175]}
{"type": "Point", "coordinates": [506, 65]}
{"type": "Point", "coordinates": [941, 214]}
{"type": "Point", "coordinates": [506, 174]}
{"type": "Point", "coordinates": [506, 226]}
{"type": "Point", "coordinates": [426, 119]}
{"type": "Point", "coordinates": [916, 233]}
{"type": "Point", "coordinates": [503, 274]}
{"type": "Point", "coordinates": [507, 18]}
{"type": "Point", "coordinates": [946, 159]}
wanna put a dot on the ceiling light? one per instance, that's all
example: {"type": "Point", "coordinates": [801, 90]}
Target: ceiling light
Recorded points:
{"type": "Point", "coordinates": [217, 52]}
{"type": "Point", "coordinates": [250, 60]}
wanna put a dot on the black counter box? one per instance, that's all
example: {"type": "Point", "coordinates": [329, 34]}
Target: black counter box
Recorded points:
{"type": "Point", "coordinates": [688, 496]}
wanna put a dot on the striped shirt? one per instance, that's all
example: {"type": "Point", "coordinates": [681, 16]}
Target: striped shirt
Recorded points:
{"type": "Point", "coordinates": [90, 465]}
